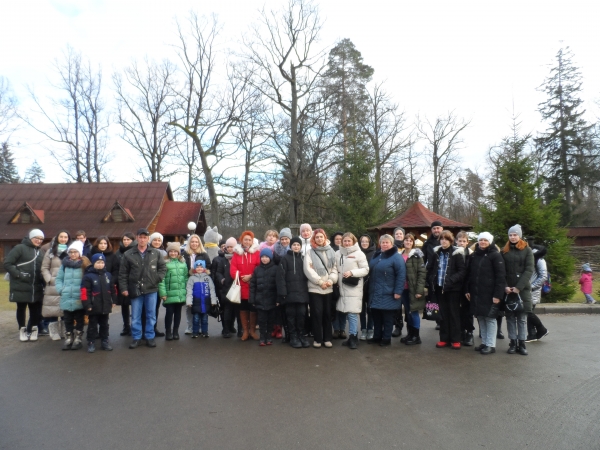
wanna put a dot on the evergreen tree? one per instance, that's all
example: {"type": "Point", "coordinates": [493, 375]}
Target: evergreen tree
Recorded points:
{"type": "Point", "coordinates": [513, 200]}
{"type": "Point", "coordinates": [566, 149]}
{"type": "Point", "coordinates": [34, 174]}
{"type": "Point", "coordinates": [8, 170]}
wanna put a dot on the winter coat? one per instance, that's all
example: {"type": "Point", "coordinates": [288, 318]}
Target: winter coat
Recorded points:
{"type": "Point", "coordinates": [369, 252]}
{"type": "Point", "coordinates": [314, 278]}
{"type": "Point", "coordinates": [139, 275]}
{"type": "Point", "coordinates": [121, 299]}
{"type": "Point", "coordinates": [220, 272]}
{"type": "Point", "coordinates": [486, 279]}
{"type": "Point", "coordinates": [173, 286]}
{"type": "Point", "coordinates": [455, 270]}
{"type": "Point", "coordinates": [519, 263]}
{"type": "Point", "coordinates": [428, 248]}
{"type": "Point", "coordinates": [51, 264]}
{"type": "Point", "coordinates": [540, 275]}
{"type": "Point", "coordinates": [200, 293]}
{"type": "Point", "coordinates": [87, 249]}
{"type": "Point", "coordinates": [353, 260]}
{"type": "Point", "coordinates": [263, 286]}
{"type": "Point", "coordinates": [111, 263]}
{"type": "Point", "coordinates": [387, 277]}
{"type": "Point", "coordinates": [244, 262]}
{"type": "Point", "coordinates": [306, 245]}
{"type": "Point", "coordinates": [416, 276]}
{"type": "Point", "coordinates": [586, 282]}
{"type": "Point", "coordinates": [97, 291]}
{"type": "Point", "coordinates": [68, 283]}
{"type": "Point", "coordinates": [24, 264]}
{"type": "Point", "coordinates": [292, 284]}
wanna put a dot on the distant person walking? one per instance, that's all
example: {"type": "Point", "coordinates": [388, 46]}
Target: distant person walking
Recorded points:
{"type": "Point", "coordinates": [586, 282]}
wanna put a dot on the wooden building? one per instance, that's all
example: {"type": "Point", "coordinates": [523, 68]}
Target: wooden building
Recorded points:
{"type": "Point", "coordinates": [584, 236]}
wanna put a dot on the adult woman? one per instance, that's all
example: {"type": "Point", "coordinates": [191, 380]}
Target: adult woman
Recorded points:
{"type": "Point", "coordinates": [387, 277]}
{"type": "Point", "coordinates": [413, 297]}
{"type": "Point", "coordinates": [535, 328]}
{"type": "Point", "coordinates": [193, 251]}
{"type": "Point", "coordinates": [485, 283]}
{"type": "Point", "coordinates": [245, 259]}
{"type": "Point", "coordinates": [367, 246]}
{"type": "Point", "coordinates": [339, 318]}
{"type": "Point", "coordinates": [353, 266]}
{"type": "Point", "coordinates": [51, 263]}
{"type": "Point", "coordinates": [321, 270]}
{"type": "Point", "coordinates": [24, 264]}
{"type": "Point", "coordinates": [306, 233]}
{"type": "Point", "coordinates": [111, 260]}
{"type": "Point", "coordinates": [446, 274]}
{"type": "Point", "coordinates": [520, 266]}
{"type": "Point", "coordinates": [127, 243]}
{"type": "Point", "coordinates": [398, 324]}
{"type": "Point", "coordinates": [223, 281]}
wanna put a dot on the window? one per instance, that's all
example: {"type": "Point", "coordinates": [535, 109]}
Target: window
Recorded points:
{"type": "Point", "coordinates": [118, 214]}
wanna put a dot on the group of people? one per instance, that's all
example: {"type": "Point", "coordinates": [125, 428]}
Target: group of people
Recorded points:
{"type": "Point", "coordinates": [287, 287]}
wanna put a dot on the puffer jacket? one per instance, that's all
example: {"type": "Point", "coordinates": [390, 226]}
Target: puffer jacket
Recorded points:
{"type": "Point", "coordinates": [486, 279]}
{"type": "Point", "coordinates": [353, 260]}
{"type": "Point", "coordinates": [68, 283]}
{"type": "Point", "coordinates": [263, 286]}
{"type": "Point", "coordinates": [416, 276]}
{"type": "Point", "coordinates": [141, 275]}
{"type": "Point", "coordinates": [221, 275]}
{"type": "Point", "coordinates": [173, 286]}
{"type": "Point", "coordinates": [387, 277]}
{"type": "Point", "coordinates": [200, 293]}
{"type": "Point", "coordinates": [97, 292]}
{"type": "Point", "coordinates": [456, 269]}
{"type": "Point", "coordinates": [244, 262]}
{"type": "Point", "coordinates": [519, 263]}
{"type": "Point", "coordinates": [540, 274]}
{"type": "Point", "coordinates": [50, 267]}
{"type": "Point", "coordinates": [314, 278]}
{"type": "Point", "coordinates": [24, 264]}
{"type": "Point", "coordinates": [292, 284]}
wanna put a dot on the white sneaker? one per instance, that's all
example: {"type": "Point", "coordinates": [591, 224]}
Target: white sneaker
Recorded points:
{"type": "Point", "coordinates": [188, 331]}
{"type": "Point", "coordinates": [370, 334]}
{"type": "Point", "coordinates": [363, 335]}
{"type": "Point", "coordinates": [23, 335]}
{"type": "Point", "coordinates": [53, 329]}
{"type": "Point", "coordinates": [316, 345]}
{"type": "Point", "coordinates": [327, 344]}
{"type": "Point", "coordinates": [34, 334]}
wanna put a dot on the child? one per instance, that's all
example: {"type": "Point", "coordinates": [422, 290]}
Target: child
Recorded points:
{"type": "Point", "coordinates": [200, 289]}
{"type": "Point", "coordinates": [172, 289]}
{"type": "Point", "coordinates": [263, 295]}
{"type": "Point", "coordinates": [586, 284]}
{"type": "Point", "coordinates": [271, 238]}
{"type": "Point", "coordinates": [68, 286]}
{"type": "Point", "coordinates": [97, 294]}
{"type": "Point", "coordinates": [292, 287]}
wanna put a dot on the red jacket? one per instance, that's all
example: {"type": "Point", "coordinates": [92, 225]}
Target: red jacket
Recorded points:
{"type": "Point", "coordinates": [586, 282]}
{"type": "Point", "coordinates": [244, 262]}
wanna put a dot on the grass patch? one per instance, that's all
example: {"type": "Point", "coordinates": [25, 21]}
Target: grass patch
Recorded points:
{"type": "Point", "coordinates": [579, 297]}
{"type": "Point", "coordinates": [5, 305]}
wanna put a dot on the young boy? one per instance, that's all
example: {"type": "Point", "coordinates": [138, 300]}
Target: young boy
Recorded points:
{"type": "Point", "coordinates": [97, 294]}
{"type": "Point", "coordinates": [200, 295]}
{"type": "Point", "coordinates": [263, 295]}
{"type": "Point", "coordinates": [292, 288]}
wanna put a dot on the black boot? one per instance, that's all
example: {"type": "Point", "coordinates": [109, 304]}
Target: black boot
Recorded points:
{"type": "Point", "coordinates": [512, 347]}
{"type": "Point", "coordinates": [522, 349]}
{"type": "Point", "coordinates": [409, 329]}
{"type": "Point", "coordinates": [468, 341]}
{"type": "Point", "coordinates": [415, 338]}
{"type": "Point", "coordinates": [168, 335]}
{"type": "Point", "coordinates": [397, 331]}
{"type": "Point", "coordinates": [353, 342]}
{"type": "Point", "coordinates": [158, 333]}
{"type": "Point", "coordinates": [303, 340]}
{"type": "Point", "coordinates": [294, 340]}
{"type": "Point", "coordinates": [287, 338]}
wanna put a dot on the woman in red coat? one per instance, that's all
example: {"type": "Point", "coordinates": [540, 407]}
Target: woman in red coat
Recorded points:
{"type": "Point", "coordinates": [245, 259]}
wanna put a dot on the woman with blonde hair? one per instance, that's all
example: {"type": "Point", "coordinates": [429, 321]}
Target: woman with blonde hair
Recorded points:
{"type": "Point", "coordinates": [194, 251]}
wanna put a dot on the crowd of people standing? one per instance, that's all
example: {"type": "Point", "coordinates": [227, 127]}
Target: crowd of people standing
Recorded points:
{"type": "Point", "coordinates": [292, 288]}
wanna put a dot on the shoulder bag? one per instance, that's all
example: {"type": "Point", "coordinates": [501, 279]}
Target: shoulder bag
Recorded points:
{"type": "Point", "coordinates": [234, 295]}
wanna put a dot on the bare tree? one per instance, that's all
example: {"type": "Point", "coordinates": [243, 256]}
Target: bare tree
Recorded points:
{"type": "Point", "coordinates": [443, 140]}
{"type": "Point", "coordinates": [146, 103]}
{"type": "Point", "coordinates": [8, 109]}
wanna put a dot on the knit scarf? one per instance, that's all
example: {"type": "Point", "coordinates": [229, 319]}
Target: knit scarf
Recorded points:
{"type": "Point", "coordinates": [280, 249]}
{"type": "Point", "coordinates": [322, 255]}
{"type": "Point", "coordinates": [229, 256]}
{"type": "Point", "coordinates": [61, 248]}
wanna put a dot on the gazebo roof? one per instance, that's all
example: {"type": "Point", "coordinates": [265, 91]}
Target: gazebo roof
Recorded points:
{"type": "Point", "coordinates": [417, 216]}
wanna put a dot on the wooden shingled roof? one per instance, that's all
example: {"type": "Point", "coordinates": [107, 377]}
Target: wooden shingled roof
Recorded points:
{"type": "Point", "coordinates": [419, 217]}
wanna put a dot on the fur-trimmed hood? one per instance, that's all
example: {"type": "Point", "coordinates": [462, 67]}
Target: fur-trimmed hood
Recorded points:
{"type": "Point", "coordinates": [416, 252]}
{"type": "Point", "coordinates": [456, 251]}
{"type": "Point", "coordinates": [240, 250]}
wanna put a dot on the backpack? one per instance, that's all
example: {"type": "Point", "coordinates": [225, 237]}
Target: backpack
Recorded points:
{"type": "Point", "coordinates": [547, 287]}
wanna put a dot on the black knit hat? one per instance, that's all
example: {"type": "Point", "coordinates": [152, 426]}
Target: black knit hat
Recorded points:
{"type": "Point", "coordinates": [436, 223]}
{"type": "Point", "coordinates": [295, 239]}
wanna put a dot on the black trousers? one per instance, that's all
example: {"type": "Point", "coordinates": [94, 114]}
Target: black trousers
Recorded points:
{"type": "Point", "coordinates": [320, 314]}
{"type": "Point", "coordinates": [294, 313]}
{"type": "Point", "coordinates": [35, 314]}
{"type": "Point", "coordinates": [94, 321]}
{"type": "Point", "coordinates": [70, 317]}
{"type": "Point", "coordinates": [173, 315]}
{"type": "Point", "coordinates": [466, 318]}
{"type": "Point", "coordinates": [266, 320]}
{"type": "Point", "coordinates": [533, 322]}
{"type": "Point", "coordinates": [126, 315]}
{"type": "Point", "coordinates": [450, 309]}
{"type": "Point", "coordinates": [383, 322]}
{"type": "Point", "coordinates": [231, 311]}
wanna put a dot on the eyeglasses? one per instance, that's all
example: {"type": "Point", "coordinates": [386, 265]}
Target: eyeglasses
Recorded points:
{"type": "Point", "coordinates": [37, 238]}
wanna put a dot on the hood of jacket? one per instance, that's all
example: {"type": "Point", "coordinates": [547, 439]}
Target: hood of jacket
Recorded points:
{"type": "Point", "coordinates": [240, 250]}
{"type": "Point", "coordinates": [415, 252]}
{"type": "Point", "coordinates": [345, 251]}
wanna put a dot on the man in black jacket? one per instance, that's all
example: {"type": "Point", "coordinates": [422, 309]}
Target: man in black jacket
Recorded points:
{"type": "Point", "coordinates": [142, 269]}
{"type": "Point", "coordinates": [430, 244]}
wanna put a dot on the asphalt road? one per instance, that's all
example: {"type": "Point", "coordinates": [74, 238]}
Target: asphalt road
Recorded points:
{"type": "Point", "coordinates": [227, 394]}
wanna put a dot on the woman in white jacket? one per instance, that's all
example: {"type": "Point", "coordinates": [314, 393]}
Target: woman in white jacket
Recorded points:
{"type": "Point", "coordinates": [352, 267]}
{"type": "Point", "coordinates": [321, 270]}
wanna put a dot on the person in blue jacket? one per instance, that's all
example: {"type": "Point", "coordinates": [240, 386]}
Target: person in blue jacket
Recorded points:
{"type": "Point", "coordinates": [387, 276]}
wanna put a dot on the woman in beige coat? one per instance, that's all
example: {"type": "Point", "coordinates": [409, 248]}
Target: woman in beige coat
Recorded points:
{"type": "Point", "coordinates": [51, 263]}
{"type": "Point", "coordinates": [352, 266]}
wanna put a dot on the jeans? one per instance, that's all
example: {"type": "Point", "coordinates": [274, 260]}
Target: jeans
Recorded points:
{"type": "Point", "coordinates": [383, 321]}
{"type": "Point", "coordinates": [488, 328]}
{"type": "Point", "coordinates": [197, 318]}
{"type": "Point", "coordinates": [352, 323]}
{"type": "Point", "coordinates": [413, 317]}
{"type": "Point", "coordinates": [366, 318]}
{"type": "Point", "coordinates": [149, 302]}
{"type": "Point", "coordinates": [516, 325]}
{"type": "Point", "coordinates": [589, 298]}
{"type": "Point", "coordinates": [339, 322]}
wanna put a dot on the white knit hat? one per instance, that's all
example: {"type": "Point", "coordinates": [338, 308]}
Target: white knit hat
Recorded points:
{"type": "Point", "coordinates": [156, 235]}
{"type": "Point", "coordinates": [76, 245]}
{"type": "Point", "coordinates": [36, 233]}
{"type": "Point", "coordinates": [487, 236]}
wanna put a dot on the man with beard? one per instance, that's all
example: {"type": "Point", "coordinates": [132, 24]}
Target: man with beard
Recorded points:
{"type": "Point", "coordinates": [430, 244]}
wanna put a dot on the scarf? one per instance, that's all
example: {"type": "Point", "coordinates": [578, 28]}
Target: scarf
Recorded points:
{"type": "Point", "coordinates": [280, 249]}
{"type": "Point", "coordinates": [229, 256]}
{"type": "Point", "coordinates": [210, 245]}
{"type": "Point", "coordinates": [61, 248]}
{"type": "Point", "coordinates": [322, 255]}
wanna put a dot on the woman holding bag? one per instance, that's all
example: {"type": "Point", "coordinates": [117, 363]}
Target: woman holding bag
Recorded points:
{"type": "Point", "coordinates": [245, 259]}
{"type": "Point", "coordinates": [224, 281]}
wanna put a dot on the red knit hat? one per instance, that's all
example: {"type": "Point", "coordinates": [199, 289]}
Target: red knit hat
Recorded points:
{"type": "Point", "coordinates": [246, 233]}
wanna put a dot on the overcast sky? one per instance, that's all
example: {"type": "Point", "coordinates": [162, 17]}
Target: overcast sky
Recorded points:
{"type": "Point", "coordinates": [473, 57]}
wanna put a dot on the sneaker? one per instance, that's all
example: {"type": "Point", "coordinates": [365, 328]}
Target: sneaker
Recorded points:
{"type": "Point", "coordinates": [441, 344]}
{"type": "Point", "coordinates": [204, 335]}
{"type": "Point", "coordinates": [23, 336]}
{"type": "Point", "coordinates": [370, 334]}
{"type": "Point", "coordinates": [91, 347]}
{"type": "Point", "coordinates": [541, 334]}
{"type": "Point", "coordinates": [188, 331]}
{"type": "Point", "coordinates": [530, 338]}
{"type": "Point", "coordinates": [363, 335]}
{"type": "Point", "coordinates": [53, 329]}
{"type": "Point", "coordinates": [34, 334]}
{"type": "Point", "coordinates": [262, 343]}
{"type": "Point", "coordinates": [316, 345]}
{"type": "Point", "coordinates": [134, 344]}
{"type": "Point", "coordinates": [195, 335]}
{"type": "Point", "coordinates": [150, 343]}
{"type": "Point", "coordinates": [455, 345]}
{"type": "Point", "coordinates": [327, 344]}
{"type": "Point", "coordinates": [269, 341]}
{"type": "Point", "coordinates": [106, 345]}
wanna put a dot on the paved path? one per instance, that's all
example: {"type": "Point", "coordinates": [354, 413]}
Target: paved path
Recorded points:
{"type": "Point", "coordinates": [227, 394]}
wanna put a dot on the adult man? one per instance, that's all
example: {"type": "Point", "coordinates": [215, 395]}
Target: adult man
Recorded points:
{"type": "Point", "coordinates": [428, 250]}
{"type": "Point", "coordinates": [142, 269]}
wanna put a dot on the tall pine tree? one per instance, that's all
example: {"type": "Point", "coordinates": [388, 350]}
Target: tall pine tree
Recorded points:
{"type": "Point", "coordinates": [8, 170]}
{"type": "Point", "coordinates": [34, 174]}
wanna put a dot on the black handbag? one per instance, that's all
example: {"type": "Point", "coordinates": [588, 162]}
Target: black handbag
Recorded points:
{"type": "Point", "coordinates": [432, 311]}
{"type": "Point", "coordinates": [514, 306]}
{"type": "Point", "coordinates": [350, 281]}
{"type": "Point", "coordinates": [215, 311]}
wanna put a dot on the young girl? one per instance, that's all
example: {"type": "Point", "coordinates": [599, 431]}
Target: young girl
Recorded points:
{"type": "Point", "coordinates": [263, 295]}
{"type": "Point", "coordinates": [200, 295]}
{"type": "Point", "coordinates": [68, 286]}
{"type": "Point", "coordinates": [172, 289]}
{"type": "Point", "coordinates": [97, 295]}
{"type": "Point", "coordinates": [586, 283]}
{"type": "Point", "coordinates": [271, 238]}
